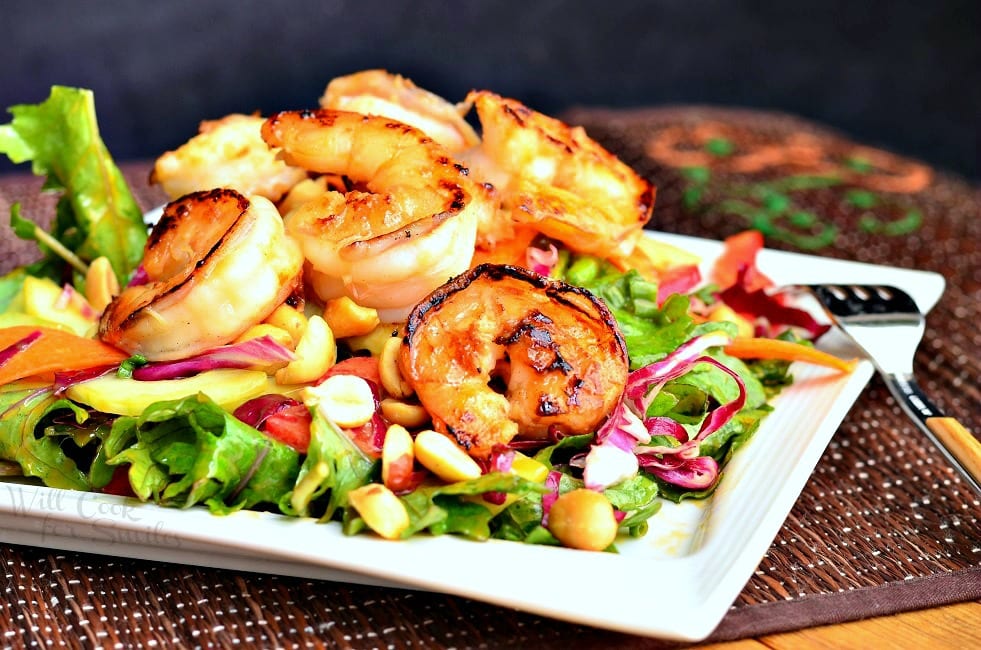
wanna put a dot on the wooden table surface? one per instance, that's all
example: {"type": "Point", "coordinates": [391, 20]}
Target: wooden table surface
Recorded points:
{"type": "Point", "coordinates": [953, 626]}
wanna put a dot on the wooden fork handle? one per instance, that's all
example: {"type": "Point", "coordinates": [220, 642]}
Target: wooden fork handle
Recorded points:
{"type": "Point", "coordinates": [959, 442]}
{"type": "Point", "coordinates": [961, 449]}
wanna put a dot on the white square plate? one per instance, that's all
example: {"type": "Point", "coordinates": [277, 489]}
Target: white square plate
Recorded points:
{"type": "Point", "coordinates": [677, 582]}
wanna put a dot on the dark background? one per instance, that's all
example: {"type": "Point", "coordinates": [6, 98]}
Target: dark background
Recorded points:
{"type": "Point", "coordinates": [905, 76]}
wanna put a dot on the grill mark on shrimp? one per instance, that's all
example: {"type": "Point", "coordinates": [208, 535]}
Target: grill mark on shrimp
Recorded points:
{"type": "Point", "coordinates": [499, 351]}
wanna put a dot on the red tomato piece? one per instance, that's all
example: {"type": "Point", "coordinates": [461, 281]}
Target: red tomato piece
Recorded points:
{"type": "Point", "coordinates": [119, 483]}
{"type": "Point", "coordinates": [290, 426]}
{"type": "Point", "coordinates": [370, 436]}
{"type": "Point", "coordinates": [364, 367]}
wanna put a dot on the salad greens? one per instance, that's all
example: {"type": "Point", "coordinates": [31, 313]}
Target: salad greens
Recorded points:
{"type": "Point", "coordinates": [191, 451]}
{"type": "Point", "coordinates": [96, 214]}
{"type": "Point", "coordinates": [51, 453]}
{"type": "Point", "coordinates": [334, 466]}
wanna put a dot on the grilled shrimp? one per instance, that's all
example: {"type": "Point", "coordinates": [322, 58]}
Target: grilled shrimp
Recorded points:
{"type": "Point", "coordinates": [556, 178]}
{"type": "Point", "coordinates": [411, 228]}
{"type": "Point", "coordinates": [217, 263]}
{"type": "Point", "coordinates": [500, 352]}
{"type": "Point", "coordinates": [226, 153]}
{"type": "Point", "coordinates": [378, 92]}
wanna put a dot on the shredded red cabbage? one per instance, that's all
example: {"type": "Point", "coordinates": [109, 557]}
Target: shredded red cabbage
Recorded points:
{"type": "Point", "coordinates": [718, 417]}
{"type": "Point", "coordinates": [501, 460]}
{"type": "Point", "coordinates": [759, 304]}
{"type": "Point", "coordinates": [140, 277]}
{"type": "Point", "coordinates": [17, 347]}
{"type": "Point", "coordinates": [642, 384]}
{"type": "Point", "coordinates": [680, 465]}
{"type": "Point", "coordinates": [692, 474]}
{"type": "Point", "coordinates": [620, 429]}
{"type": "Point", "coordinates": [665, 426]}
{"type": "Point", "coordinates": [65, 380]}
{"type": "Point", "coordinates": [261, 351]}
{"type": "Point", "coordinates": [549, 498]}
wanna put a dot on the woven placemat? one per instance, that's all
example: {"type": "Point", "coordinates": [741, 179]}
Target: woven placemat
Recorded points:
{"type": "Point", "coordinates": [883, 525]}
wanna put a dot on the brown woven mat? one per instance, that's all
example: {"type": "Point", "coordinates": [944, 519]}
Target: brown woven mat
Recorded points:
{"type": "Point", "coordinates": [882, 526]}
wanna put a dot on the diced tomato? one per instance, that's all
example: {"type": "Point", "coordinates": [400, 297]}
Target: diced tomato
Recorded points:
{"type": "Point", "coordinates": [291, 426]}
{"type": "Point", "coordinates": [369, 437]}
{"type": "Point", "coordinates": [119, 483]}
{"type": "Point", "coordinates": [681, 279]}
{"type": "Point", "coordinates": [364, 367]}
{"type": "Point", "coordinates": [738, 257]}
{"type": "Point", "coordinates": [401, 477]}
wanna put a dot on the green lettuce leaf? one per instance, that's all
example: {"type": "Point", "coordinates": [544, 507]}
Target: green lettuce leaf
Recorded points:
{"type": "Point", "coordinates": [637, 497]}
{"type": "Point", "coordinates": [456, 508]}
{"type": "Point", "coordinates": [96, 214]}
{"type": "Point", "coordinates": [333, 467]}
{"type": "Point", "coordinates": [189, 451]}
{"type": "Point", "coordinates": [25, 407]}
{"type": "Point", "coordinates": [650, 331]}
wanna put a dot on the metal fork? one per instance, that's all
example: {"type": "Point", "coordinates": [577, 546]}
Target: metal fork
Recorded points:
{"type": "Point", "coordinates": [886, 323]}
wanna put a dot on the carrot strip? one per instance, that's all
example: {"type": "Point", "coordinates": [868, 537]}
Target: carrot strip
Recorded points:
{"type": "Point", "coordinates": [763, 348]}
{"type": "Point", "coordinates": [52, 351]}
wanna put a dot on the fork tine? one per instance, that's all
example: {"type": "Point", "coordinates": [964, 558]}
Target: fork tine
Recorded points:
{"type": "Point", "coordinates": [850, 300]}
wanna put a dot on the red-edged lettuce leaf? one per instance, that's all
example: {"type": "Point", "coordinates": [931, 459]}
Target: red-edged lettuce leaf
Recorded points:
{"type": "Point", "coordinates": [24, 408]}
{"type": "Point", "coordinates": [96, 215]}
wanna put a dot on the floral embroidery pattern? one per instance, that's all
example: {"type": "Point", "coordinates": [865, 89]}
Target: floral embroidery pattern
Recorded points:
{"type": "Point", "coordinates": [764, 181]}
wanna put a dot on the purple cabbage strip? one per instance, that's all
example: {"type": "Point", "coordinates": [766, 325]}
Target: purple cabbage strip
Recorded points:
{"type": "Point", "coordinates": [718, 417]}
{"type": "Point", "coordinates": [692, 474]}
{"type": "Point", "coordinates": [761, 304]}
{"type": "Point", "coordinates": [616, 429]}
{"type": "Point", "coordinates": [549, 498]}
{"type": "Point", "coordinates": [17, 347]}
{"type": "Point", "coordinates": [65, 380]}
{"type": "Point", "coordinates": [665, 426]}
{"type": "Point", "coordinates": [638, 390]}
{"type": "Point", "coordinates": [681, 465]}
{"type": "Point", "coordinates": [500, 461]}
{"type": "Point", "coordinates": [261, 351]}
{"type": "Point", "coordinates": [140, 277]}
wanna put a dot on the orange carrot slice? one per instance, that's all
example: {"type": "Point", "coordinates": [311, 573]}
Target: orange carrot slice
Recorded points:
{"type": "Point", "coordinates": [762, 348]}
{"type": "Point", "coordinates": [52, 351]}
